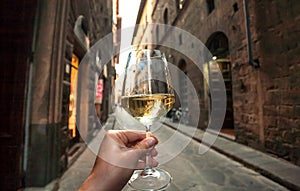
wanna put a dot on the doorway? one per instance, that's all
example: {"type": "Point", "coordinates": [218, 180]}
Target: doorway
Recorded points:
{"type": "Point", "coordinates": [218, 46]}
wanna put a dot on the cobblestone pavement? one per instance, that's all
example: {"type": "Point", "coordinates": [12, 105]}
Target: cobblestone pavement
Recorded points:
{"type": "Point", "coordinates": [211, 171]}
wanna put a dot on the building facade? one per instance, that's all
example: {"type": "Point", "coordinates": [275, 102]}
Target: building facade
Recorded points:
{"type": "Point", "coordinates": [43, 43]}
{"type": "Point", "coordinates": [254, 44]}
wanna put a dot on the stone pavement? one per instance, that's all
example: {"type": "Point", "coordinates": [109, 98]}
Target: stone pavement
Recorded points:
{"type": "Point", "coordinates": [210, 171]}
{"type": "Point", "coordinates": [276, 169]}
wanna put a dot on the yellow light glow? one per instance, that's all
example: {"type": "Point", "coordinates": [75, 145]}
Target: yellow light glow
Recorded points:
{"type": "Point", "coordinates": [73, 96]}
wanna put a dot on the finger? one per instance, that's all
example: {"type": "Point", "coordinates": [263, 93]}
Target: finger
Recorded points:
{"type": "Point", "coordinates": [146, 143]}
{"type": "Point", "coordinates": [135, 136]}
{"type": "Point", "coordinates": [154, 163]}
{"type": "Point", "coordinates": [153, 153]}
{"type": "Point", "coordinates": [141, 164]}
{"type": "Point", "coordinates": [128, 137]}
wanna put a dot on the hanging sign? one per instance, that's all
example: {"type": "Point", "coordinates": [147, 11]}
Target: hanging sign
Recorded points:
{"type": "Point", "coordinates": [99, 91]}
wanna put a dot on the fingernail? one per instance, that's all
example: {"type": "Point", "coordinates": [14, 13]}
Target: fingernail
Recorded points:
{"type": "Point", "coordinates": [150, 142]}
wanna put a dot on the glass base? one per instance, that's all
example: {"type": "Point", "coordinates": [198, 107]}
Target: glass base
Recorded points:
{"type": "Point", "coordinates": [150, 179]}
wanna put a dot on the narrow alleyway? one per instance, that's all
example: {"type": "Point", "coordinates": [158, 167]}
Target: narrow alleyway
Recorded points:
{"type": "Point", "coordinates": [191, 171]}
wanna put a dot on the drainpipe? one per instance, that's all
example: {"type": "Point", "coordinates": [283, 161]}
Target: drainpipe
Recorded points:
{"type": "Point", "coordinates": [248, 35]}
{"type": "Point", "coordinates": [29, 91]}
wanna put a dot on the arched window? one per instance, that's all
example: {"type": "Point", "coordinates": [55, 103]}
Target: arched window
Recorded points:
{"type": "Point", "coordinates": [157, 34]}
{"type": "Point", "coordinates": [166, 16]}
{"type": "Point", "coordinates": [210, 5]}
{"type": "Point", "coordinates": [218, 44]}
{"type": "Point", "coordinates": [182, 65]}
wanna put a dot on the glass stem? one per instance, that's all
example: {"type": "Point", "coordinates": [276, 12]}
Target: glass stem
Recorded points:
{"type": "Point", "coordinates": [148, 166]}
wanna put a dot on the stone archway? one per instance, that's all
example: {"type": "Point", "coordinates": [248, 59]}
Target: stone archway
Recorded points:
{"type": "Point", "coordinates": [218, 45]}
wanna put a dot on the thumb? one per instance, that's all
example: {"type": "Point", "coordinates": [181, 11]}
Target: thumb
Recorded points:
{"type": "Point", "coordinates": [146, 143]}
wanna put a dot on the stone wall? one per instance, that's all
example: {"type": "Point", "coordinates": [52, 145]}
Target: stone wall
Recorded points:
{"type": "Point", "coordinates": [266, 100]}
{"type": "Point", "coordinates": [277, 49]}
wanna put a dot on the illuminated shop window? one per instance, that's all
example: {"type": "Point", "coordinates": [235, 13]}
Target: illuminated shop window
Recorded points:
{"type": "Point", "coordinates": [73, 96]}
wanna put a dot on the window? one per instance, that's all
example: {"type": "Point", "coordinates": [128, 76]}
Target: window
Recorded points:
{"type": "Point", "coordinates": [73, 96]}
{"type": "Point", "coordinates": [157, 34]}
{"type": "Point", "coordinates": [210, 5]}
{"type": "Point", "coordinates": [179, 4]}
{"type": "Point", "coordinates": [166, 16]}
{"type": "Point", "coordinates": [235, 7]}
{"type": "Point", "coordinates": [218, 44]}
{"type": "Point", "coordinates": [180, 39]}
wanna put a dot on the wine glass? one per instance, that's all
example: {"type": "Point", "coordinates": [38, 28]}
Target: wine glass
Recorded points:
{"type": "Point", "coordinates": [147, 95]}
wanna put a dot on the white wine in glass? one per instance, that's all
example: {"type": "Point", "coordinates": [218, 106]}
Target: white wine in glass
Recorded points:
{"type": "Point", "coordinates": [148, 108]}
{"type": "Point", "coordinates": [147, 95]}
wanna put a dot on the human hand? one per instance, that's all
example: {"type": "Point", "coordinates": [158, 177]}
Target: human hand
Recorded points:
{"type": "Point", "coordinates": [127, 149]}
{"type": "Point", "coordinates": [120, 153]}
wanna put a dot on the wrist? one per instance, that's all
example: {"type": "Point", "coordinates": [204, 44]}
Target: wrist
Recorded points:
{"type": "Point", "coordinates": [106, 177]}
